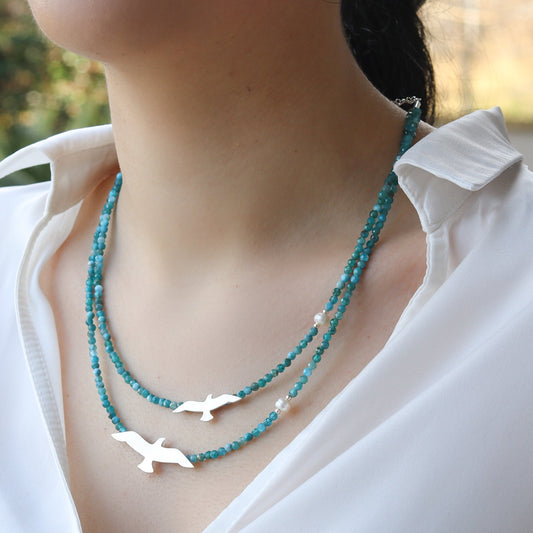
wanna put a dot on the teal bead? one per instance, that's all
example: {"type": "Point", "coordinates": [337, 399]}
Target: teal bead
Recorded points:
{"type": "Point", "coordinates": [261, 427]}
{"type": "Point", "coordinates": [235, 445]}
{"type": "Point", "coordinates": [248, 437]}
{"type": "Point", "coordinates": [261, 382]}
{"type": "Point", "coordinates": [255, 432]}
{"type": "Point", "coordinates": [254, 386]}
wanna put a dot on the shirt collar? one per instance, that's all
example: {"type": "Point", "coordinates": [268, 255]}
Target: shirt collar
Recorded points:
{"type": "Point", "coordinates": [78, 160]}
{"type": "Point", "coordinates": [442, 169]}
{"type": "Point", "coordinates": [437, 173]}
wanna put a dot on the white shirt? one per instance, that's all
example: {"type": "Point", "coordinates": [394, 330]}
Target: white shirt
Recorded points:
{"type": "Point", "coordinates": [434, 435]}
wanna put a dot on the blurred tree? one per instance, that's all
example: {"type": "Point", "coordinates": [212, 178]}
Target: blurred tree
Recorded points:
{"type": "Point", "coordinates": [43, 89]}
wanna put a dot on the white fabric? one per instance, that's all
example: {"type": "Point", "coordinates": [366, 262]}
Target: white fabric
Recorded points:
{"type": "Point", "coordinates": [434, 435]}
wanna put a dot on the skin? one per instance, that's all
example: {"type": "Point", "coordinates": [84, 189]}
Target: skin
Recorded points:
{"type": "Point", "coordinates": [252, 149]}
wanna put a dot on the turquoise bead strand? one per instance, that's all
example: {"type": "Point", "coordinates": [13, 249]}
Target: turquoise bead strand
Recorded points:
{"type": "Point", "coordinates": [344, 290]}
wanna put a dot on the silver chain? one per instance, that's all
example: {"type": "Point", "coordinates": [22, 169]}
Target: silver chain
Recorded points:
{"type": "Point", "coordinates": [410, 100]}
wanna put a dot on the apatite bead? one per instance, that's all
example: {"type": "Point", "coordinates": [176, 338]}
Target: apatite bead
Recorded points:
{"type": "Point", "coordinates": [254, 386]}
{"type": "Point", "coordinates": [247, 390]}
{"type": "Point", "coordinates": [255, 432]}
{"type": "Point", "coordinates": [273, 416]}
{"type": "Point", "coordinates": [222, 451]}
{"type": "Point", "coordinates": [261, 427]}
{"type": "Point", "coordinates": [235, 445]}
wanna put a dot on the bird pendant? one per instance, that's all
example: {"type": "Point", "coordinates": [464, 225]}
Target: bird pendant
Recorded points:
{"type": "Point", "coordinates": [152, 452]}
{"type": "Point", "coordinates": [208, 405]}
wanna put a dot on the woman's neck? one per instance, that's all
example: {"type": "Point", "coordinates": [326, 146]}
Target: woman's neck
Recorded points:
{"type": "Point", "coordinates": [246, 140]}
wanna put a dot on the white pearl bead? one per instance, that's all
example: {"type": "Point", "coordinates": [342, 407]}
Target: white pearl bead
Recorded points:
{"type": "Point", "coordinates": [321, 318]}
{"type": "Point", "coordinates": [282, 405]}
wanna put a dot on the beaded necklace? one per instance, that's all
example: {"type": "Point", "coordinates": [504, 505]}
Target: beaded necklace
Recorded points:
{"type": "Point", "coordinates": [94, 307]}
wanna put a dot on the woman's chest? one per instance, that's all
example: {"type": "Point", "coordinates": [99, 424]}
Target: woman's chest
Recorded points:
{"type": "Point", "coordinates": [110, 492]}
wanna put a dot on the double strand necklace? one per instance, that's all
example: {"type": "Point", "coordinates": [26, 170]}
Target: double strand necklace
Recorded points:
{"type": "Point", "coordinates": [336, 305]}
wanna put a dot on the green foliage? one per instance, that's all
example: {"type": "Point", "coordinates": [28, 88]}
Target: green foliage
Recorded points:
{"type": "Point", "coordinates": [43, 89]}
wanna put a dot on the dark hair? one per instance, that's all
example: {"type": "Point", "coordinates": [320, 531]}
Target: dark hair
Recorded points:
{"type": "Point", "coordinates": [388, 42]}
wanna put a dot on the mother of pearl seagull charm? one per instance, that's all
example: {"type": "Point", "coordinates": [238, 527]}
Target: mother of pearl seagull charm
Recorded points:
{"type": "Point", "coordinates": [152, 452]}
{"type": "Point", "coordinates": [208, 405]}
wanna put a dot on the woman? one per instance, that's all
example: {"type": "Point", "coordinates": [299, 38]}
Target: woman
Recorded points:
{"type": "Point", "coordinates": [253, 148]}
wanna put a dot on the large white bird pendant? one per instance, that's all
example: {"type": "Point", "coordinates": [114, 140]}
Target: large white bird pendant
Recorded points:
{"type": "Point", "coordinates": [208, 405]}
{"type": "Point", "coordinates": [152, 452]}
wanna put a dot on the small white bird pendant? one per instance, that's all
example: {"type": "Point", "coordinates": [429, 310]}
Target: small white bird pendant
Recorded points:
{"type": "Point", "coordinates": [208, 405]}
{"type": "Point", "coordinates": [152, 452]}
